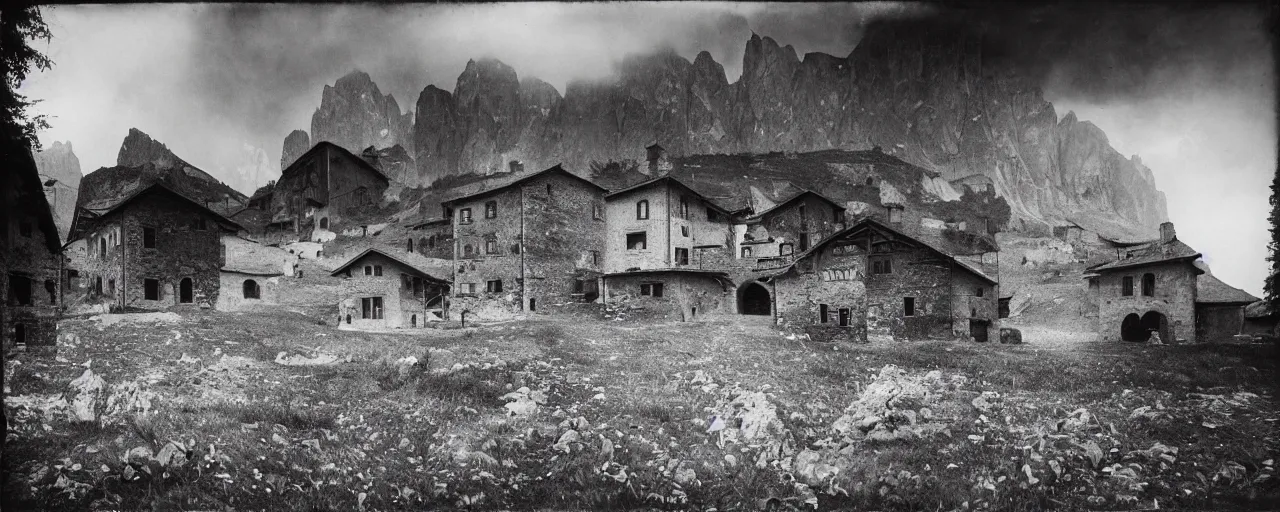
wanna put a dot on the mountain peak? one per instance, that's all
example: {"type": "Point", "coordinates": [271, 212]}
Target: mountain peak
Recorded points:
{"type": "Point", "coordinates": [139, 149]}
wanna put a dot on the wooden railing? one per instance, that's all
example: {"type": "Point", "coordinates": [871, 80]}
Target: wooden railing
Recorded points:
{"type": "Point", "coordinates": [774, 262]}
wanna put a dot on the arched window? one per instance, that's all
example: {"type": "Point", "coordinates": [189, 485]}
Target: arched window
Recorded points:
{"type": "Point", "coordinates": [251, 290]}
{"type": "Point", "coordinates": [1148, 284]}
{"type": "Point", "coordinates": [642, 209]}
{"type": "Point", "coordinates": [410, 245]}
{"type": "Point", "coordinates": [324, 223]}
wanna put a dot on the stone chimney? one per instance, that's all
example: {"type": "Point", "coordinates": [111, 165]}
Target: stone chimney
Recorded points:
{"type": "Point", "coordinates": [515, 166]}
{"type": "Point", "coordinates": [1167, 234]}
{"type": "Point", "coordinates": [658, 163]}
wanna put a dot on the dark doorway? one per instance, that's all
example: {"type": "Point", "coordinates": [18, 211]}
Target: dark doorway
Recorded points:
{"type": "Point", "coordinates": [754, 300]}
{"type": "Point", "coordinates": [844, 317]}
{"type": "Point", "coordinates": [20, 334]}
{"type": "Point", "coordinates": [533, 304]}
{"type": "Point", "coordinates": [413, 320]}
{"type": "Point", "coordinates": [1131, 329]}
{"type": "Point", "coordinates": [1156, 322]}
{"type": "Point", "coordinates": [184, 291]}
{"type": "Point", "coordinates": [978, 329]}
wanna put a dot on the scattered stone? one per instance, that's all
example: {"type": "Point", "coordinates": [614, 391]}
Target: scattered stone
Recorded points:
{"type": "Point", "coordinates": [887, 408]}
{"type": "Point", "coordinates": [298, 360]}
{"type": "Point", "coordinates": [86, 395]}
{"type": "Point", "coordinates": [1009, 335]}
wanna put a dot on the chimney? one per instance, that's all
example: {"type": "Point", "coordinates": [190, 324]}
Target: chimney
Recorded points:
{"type": "Point", "coordinates": [1167, 234]}
{"type": "Point", "coordinates": [658, 163]}
{"type": "Point", "coordinates": [515, 166]}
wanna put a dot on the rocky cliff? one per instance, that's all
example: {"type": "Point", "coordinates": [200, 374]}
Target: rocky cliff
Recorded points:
{"type": "Point", "coordinates": [143, 161]}
{"type": "Point", "coordinates": [58, 162]}
{"type": "Point", "coordinates": [297, 143]}
{"type": "Point", "coordinates": [938, 98]}
{"type": "Point", "coordinates": [354, 114]}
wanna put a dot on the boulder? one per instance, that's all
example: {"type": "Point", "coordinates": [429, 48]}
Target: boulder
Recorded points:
{"type": "Point", "coordinates": [86, 395]}
{"type": "Point", "coordinates": [1010, 335]}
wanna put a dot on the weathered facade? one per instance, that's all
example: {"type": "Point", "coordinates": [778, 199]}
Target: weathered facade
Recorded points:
{"type": "Point", "coordinates": [529, 243]}
{"type": "Point", "coordinates": [1150, 288]}
{"type": "Point", "coordinates": [153, 250]}
{"type": "Point", "coordinates": [870, 279]}
{"type": "Point", "coordinates": [382, 291]}
{"type": "Point", "coordinates": [321, 188]}
{"type": "Point", "coordinates": [676, 294]}
{"type": "Point", "coordinates": [30, 253]}
{"type": "Point", "coordinates": [770, 239]}
{"type": "Point", "coordinates": [433, 238]}
{"type": "Point", "coordinates": [1220, 309]}
{"type": "Point", "coordinates": [663, 224]}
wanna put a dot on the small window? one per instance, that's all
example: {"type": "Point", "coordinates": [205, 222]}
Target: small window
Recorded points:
{"type": "Point", "coordinates": [52, 288]}
{"type": "Point", "coordinates": [371, 308]}
{"type": "Point", "coordinates": [548, 189]}
{"type": "Point", "coordinates": [151, 289]}
{"type": "Point", "coordinates": [822, 313]}
{"type": "Point", "coordinates": [637, 241]}
{"type": "Point", "coordinates": [651, 289]}
{"type": "Point", "coordinates": [494, 286]}
{"type": "Point", "coordinates": [377, 270]}
{"type": "Point", "coordinates": [1126, 286]}
{"type": "Point", "coordinates": [429, 243]}
{"type": "Point", "coordinates": [979, 291]}
{"type": "Point", "coordinates": [642, 209]}
{"type": "Point", "coordinates": [20, 290]}
{"type": "Point", "coordinates": [324, 223]}
{"type": "Point", "coordinates": [464, 216]}
{"type": "Point", "coordinates": [682, 256]}
{"type": "Point", "coordinates": [595, 257]}
{"type": "Point", "coordinates": [684, 207]}
{"type": "Point", "coordinates": [804, 241]}
{"type": "Point", "coordinates": [684, 231]}
{"type": "Point", "coordinates": [597, 212]}
{"type": "Point", "coordinates": [1148, 284]}
{"type": "Point", "coordinates": [251, 290]}
{"type": "Point", "coordinates": [515, 248]}
{"type": "Point", "coordinates": [368, 270]}
{"type": "Point", "coordinates": [579, 285]}
{"type": "Point", "coordinates": [712, 215]}
{"type": "Point", "coordinates": [410, 245]}
{"type": "Point", "coordinates": [467, 250]}
{"type": "Point", "coordinates": [803, 217]}
{"type": "Point", "coordinates": [895, 215]}
{"type": "Point", "coordinates": [467, 288]}
{"type": "Point", "coordinates": [20, 334]}
{"type": "Point", "coordinates": [746, 252]}
{"type": "Point", "coordinates": [102, 248]}
{"type": "Point", "coordinates": [202, 224]}
{"type": "Point", "coordinates": [844, 317]}
{"type": "Point", "coordinates": [491, 210]}
{"type": "Point", "coordinates": [837, 215]}
{"type": "Point", "coordinates": [491, 247]}
{"type": "Point", "coordinates": [149, 238]}
{"type": "Point", "coordinates": [786, 249]}
{"type": "Point", "coordinates": [908, 306]}
{"type": "Point", "coordinates": [881, 265]}
{"type": "Point", "coordinates": [111, 286]}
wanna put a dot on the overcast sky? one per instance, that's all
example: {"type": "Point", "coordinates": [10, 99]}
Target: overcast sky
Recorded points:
{"type": "Point", "coordinates": [1191, 92]}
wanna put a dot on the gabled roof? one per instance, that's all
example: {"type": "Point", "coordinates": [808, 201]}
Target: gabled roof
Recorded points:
{"type": "Point", "coordinates": [516, 180]}
{"type": "Point", "coordinates": [669, 180]}
{"type": "Point", "coordinates": [1151, 254]}
{"type": "Point", "coordinates": [793, 198]}
{"type": "Point", "coordinates": [157, 187]}
{"type": "Point", "coordinates": [869, 221]}
{"type": "Point", "coordinates": [1211, 290]}
{"type": "Point", "coordinates": [32, 186]}
{"type": "Point", "coordinates": [342, 151]}
{"type": "Point", "coordinates": [372, 250]}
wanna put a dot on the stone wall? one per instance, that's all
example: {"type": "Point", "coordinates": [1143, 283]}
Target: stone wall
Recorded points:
{"type": "Point", "coordinates": [685, 296]}
{"type": "Point", "coordinates": [967, 305]}
{"type": "Point", "coordinates": [231, 297]}
{"type": "Point", "coordinates": [91, 264]}
{"type": "Point", "coordinates": [921, 275]}
{"type": "Point", "coordinates": [620, 217]}
{"type": "Point", "coordinates": [1175, 297]}
{"type": "Point", "coordinates": [432, 240]}
{"type": "Point", "coordinates": [836, 279]}
{"type": "Point", "coordinates": [26, 257]}
{"type": "Point", "coordinates": [1218, 323]}
{"type": "Point", "coordinates": [181, 251]}
{"type": "Point", "coordinates": [400, 307]}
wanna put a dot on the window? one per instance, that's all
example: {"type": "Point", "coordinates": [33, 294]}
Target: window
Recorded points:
{"type": "Point", "coordinates": [464, 216]}
{"type": "Point", "coordinates": [822, 313]}
{"type": "Point", "coordinates": [804, 242]}
{"type": "Point", "coordinates": [102, 249]}
{"type": "Point", "coordinates": [20, 334]}
{"type": "Point", "coordinates": [651, 289]}
{"type": "Point", "coordinates": [844, 317]}
{"type": "Point", "coordinates": [371, 308]}
{"type": "Point", "coordinates": [491, 247]}
{"type": "Point", "coordinates": [881, 265]}
{"type": "Point", "coordinates": [494, 286]}
{"type": "Point", "coordinates": [151, 289]}
{"type": "Point", "coordinates": [979, 291]}
{"type": "Point", "coordinates": [185, 294]}
{"type": "Point", "coordinates": [908, 306]}
{"type": "Point", "coordinates": [24, 228]}
{"type": "Point", "coordinates": [201, 224]}
{"type": "Point", "coordinates": [97, 285]}
{"type": "Point", "coordinates": [111, 286]}
{"type": "Point", "coordinates": [746, 252]}
{"type": "Point", "coordinates": [684, 208]}
{"type": "Point", "coordinates": [579, 285]}
{"type": "Point", "coordinates": [803, 217]}
{"type": "Point", "coordinates": [684, 231]}
{"type": "Point", "coordinates": [467, 288]}
{"type": "Point", "coordinates": [682, 256]}
{"type": "Point", "coordinates": [786, 249]}
{"type": "Point", "coordinates": [410, 245]}
{"type": "Point", "coordinates": [1126, 286]}
{"type": "Point", "coordinates": [428, 243]}
{"type": "Point", "coordinates": [324, 223]}
{"type": "Point", "coordinates": [491, 210]}
{"type": "Point", "coordinates": [377, 270]}
{"type": "Point", "coordinates": [466, 250]}
{"type": "Point", "coordinates": [52, 289]}
{"type": "Point", "coordinates": [515, 248]}
{"type": "Point", "coordinates": [1148, 284]}
{"type": "Point", "coordinates": [548, 189]}
{"type": "Point", "coordinates": [595, 257]}
{"type": "Point", "coordinates": [597, 212]}
{"type": "Point", "coordinates": [368, 270]}
{"type": "Point", "coordinates": [637, 241]}
{"type": "Point", "coordinates": [837, 215]}
{"type": "Point", "coordinates": [20, 290]}
{"type": "Point", "coordinates": [895, 215]}
{"type": "Point", "coordinates": [712, 215]}
{"type": "Point", "coordinates": [149, 238]}
{"type": "Point", "coordinates": [642, 210]}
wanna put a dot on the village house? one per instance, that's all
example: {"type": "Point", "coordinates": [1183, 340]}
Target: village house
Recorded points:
{"type": "Point", "coordinates": [1155, 290]}
{"type": "Point", "coordinates": [384, 291]}
{"type": "Point", "coordinates": [432, 238]}
{"type": "Point", "coordinates": [528, 242]}
{"type": "Point", "coordinates": [320, 189]}
{"type": "Point", "coordinates": [153, 249]}
{"type": "Point", "coordinates": [871, 279]}
{"type": "Point", "coordinates": [771, 238]}
{"type": "Point", "coordinates": [31, 255]}
{"type": "Point", "coordinates": [673, 293]}
{"type": "Point", "coordinates": [251, 272]}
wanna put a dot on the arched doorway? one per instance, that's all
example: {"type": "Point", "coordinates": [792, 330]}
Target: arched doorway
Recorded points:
{"type": "Point", "coordinates": [754, 299]}
{"type": "Point", "coordinates": [1131, 329]}
{"type": "Point", "coordinates": [184, 291]}
{"type": "Point", "coordinates": [1155, 321]}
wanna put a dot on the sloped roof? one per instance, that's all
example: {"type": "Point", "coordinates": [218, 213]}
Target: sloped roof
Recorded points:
{"type": "Point", "coordinates": [342, 151]}
{"type": "Point", "coordinates": [421, 273]}
{"type": "Point", "coordinates": [723, 277]}
{"type": "Point", "coordinates": [797, 196]}
{"type": "Point", "coordinates": [85, 213]}
{"type": "Point", "coordinates": [1150, 254]}
{"type": "Point", "coordinates": [512, 181]}
{"type": "Point", "coordinates": [670, 180]}
{"type": "Point", "coordinates": [1259, 309]}
{"type": "Point", "coordinates": [33, 187]}
{"type": "Point", "coordinates": [869, 221]}
{"type": "Point", "coordinates": [258, 268]}
{"type": "Point", "coordinates": [1211, 290]}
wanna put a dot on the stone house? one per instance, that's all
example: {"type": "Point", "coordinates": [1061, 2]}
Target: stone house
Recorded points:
{"type": "Point", "coordinates": [771, 238]}
{"type": "Point", "coordinates": [248, 287]}
{"type": "Point", "coordinates": [662, 224]}
{"type": "Point", "coordinates": [432, 238]}
{"type": "Point", "coordinates": [526, 243]}
{"type": "Point", "coordinates": [152, 250]}
{"type": "Point", "coordinates": [1149, 288]}
{"type": "Point", "coordinates": [383, 291]}
{"type": "Point", "coordinates": [321, 188]}
{"type": "Point", "coordinates": [678, 293]}
{"type": "Point", "coordinates": [871, 279]}
{"type": "Point", "coordinates": [31, 256]}
{"type": "Point", "coordinates": [1220, 309]}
